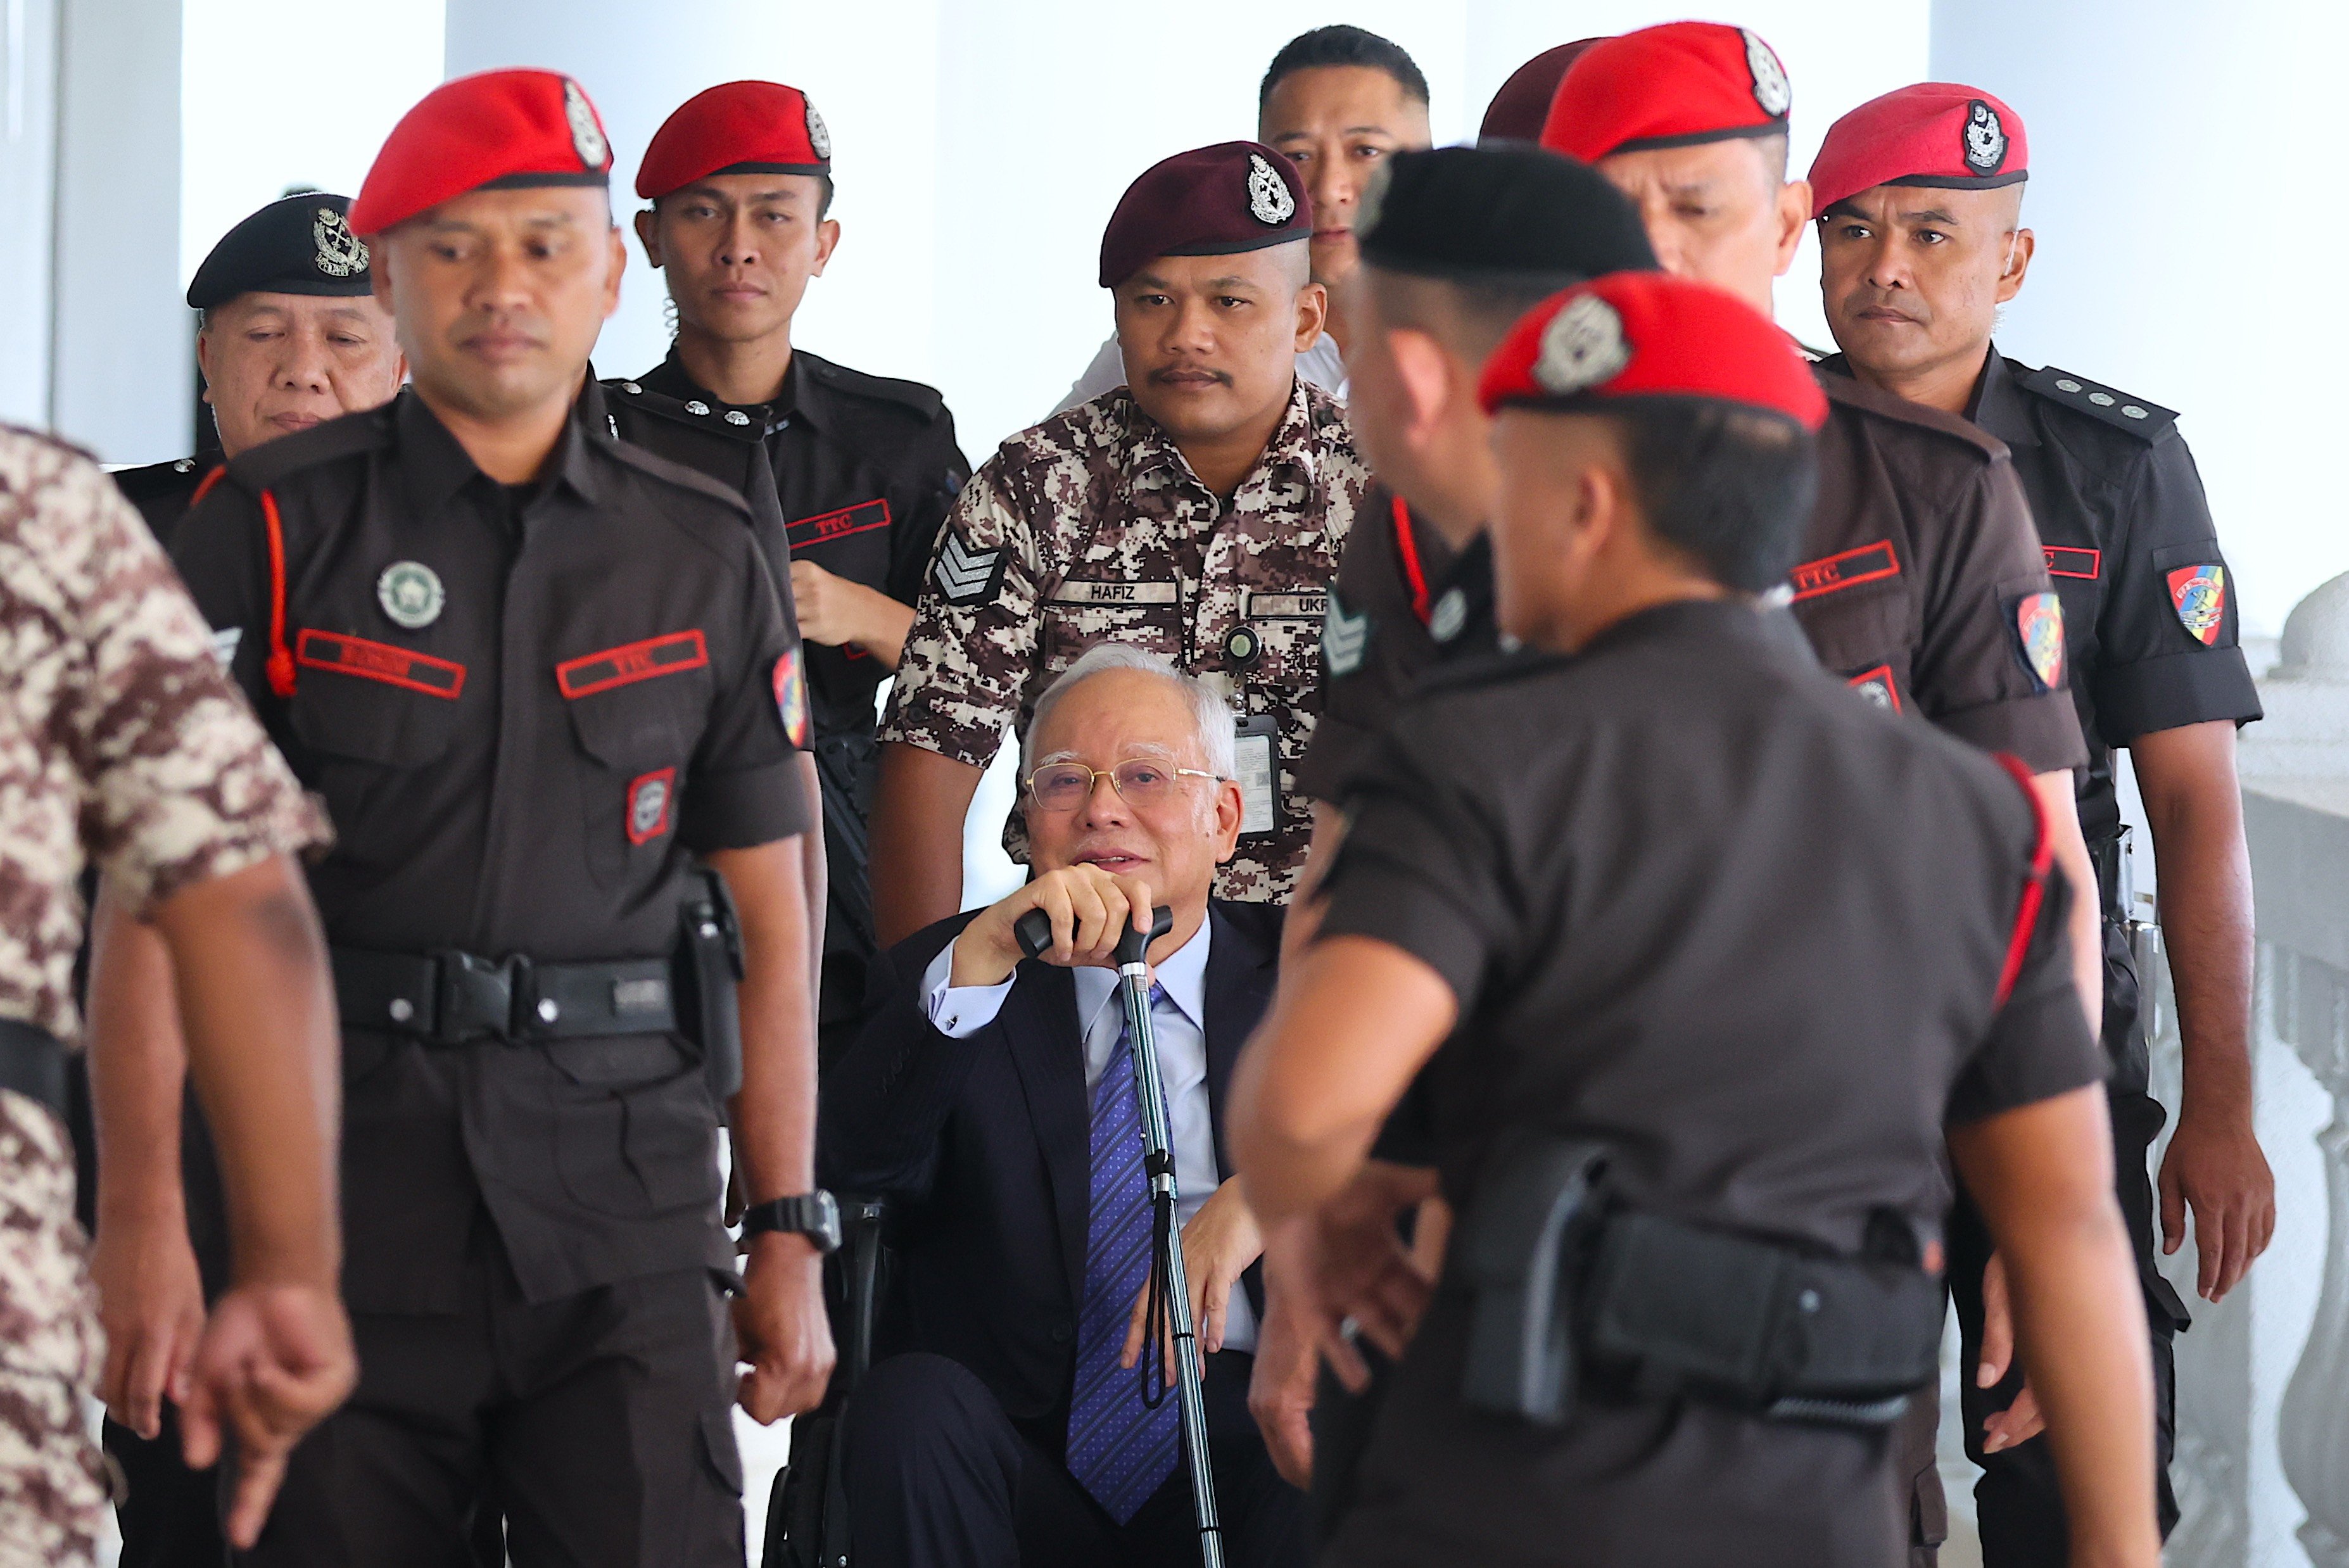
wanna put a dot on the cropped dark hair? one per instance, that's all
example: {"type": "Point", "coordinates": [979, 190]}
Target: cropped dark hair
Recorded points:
{"type": "Point", "coordinates": [1731, 487]}
{"type": "Point", "coordinates": [1343, 44]}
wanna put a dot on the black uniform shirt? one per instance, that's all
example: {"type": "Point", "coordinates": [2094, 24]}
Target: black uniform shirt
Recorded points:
{"type": "Point", "coordinates": [865, 469]}
{"type": "Point", "coordinates": [528, 769]}
{"type": "Point", "coordinates": [2149, 613]}
{"type": "Point", "coordinates": [164, 492]}
{"type": "Point", "coordinates": [1678, 885]}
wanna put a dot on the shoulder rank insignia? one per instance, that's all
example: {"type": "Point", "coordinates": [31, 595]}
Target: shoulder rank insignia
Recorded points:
{"type": "Point", "coordinates": [1344, 639]}
{"type": "Point", "coordinates": [964, 576]}
{"type": "Point", "coordinates": [2199, 594]}
{"type": "Point", "coordinates": [2145, 422]}
{"type": "Point", "coordinates": [2039, 638]}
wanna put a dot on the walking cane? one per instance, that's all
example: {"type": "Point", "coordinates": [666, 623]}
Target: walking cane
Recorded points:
{"type": "Point", "coordinates": [1170, 1289]}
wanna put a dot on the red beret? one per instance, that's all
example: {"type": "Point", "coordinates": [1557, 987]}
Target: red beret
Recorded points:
{"type": "Point", "coordinates": [1650, 334]}
{"type": "Point", "coordinates": [755, 128]}
{"type": "Point", "coordinates": [1939, 134]}
{"type": "Point", "coordinates": [1517, 111]}
{"type": "Point", "coordinates": [1215, 202]}
{"type": "Point", "coordinates": [499, 127]}
{"type": "Point", "coordinates": [1673, 85]}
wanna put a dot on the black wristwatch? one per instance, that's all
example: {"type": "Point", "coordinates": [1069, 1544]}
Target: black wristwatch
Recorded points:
{"type": "Point", "coordinates": [811, 1214]}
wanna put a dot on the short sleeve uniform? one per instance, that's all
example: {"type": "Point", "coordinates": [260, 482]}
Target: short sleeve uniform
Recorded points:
{"type": "Point", "coordinates": [1611, 914]}
{"type": "Point", "coordinates": [1922, 582]}
{"type": "Point", "coordinates": [120, 742]}
{"type": "Point", "coordinates": [527, 710]}
{"type": "Point", "coordinates": [1092, 527]}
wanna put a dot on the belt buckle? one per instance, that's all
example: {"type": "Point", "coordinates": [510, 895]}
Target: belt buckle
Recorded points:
{"type": "Point", "coordinates": [475, 998]}
{"type": "Point", "coordinates": [530, 1015]}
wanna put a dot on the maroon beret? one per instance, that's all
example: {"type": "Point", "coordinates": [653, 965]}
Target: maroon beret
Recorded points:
{"type": "Point", "coordinates": [1517, 111]}
{"type": "Point", "coordinates": [1215, 202]}
{"type": "Point", "coordinates": [499, 127]}
{"type": "Point", "coordinates": [753, 128]}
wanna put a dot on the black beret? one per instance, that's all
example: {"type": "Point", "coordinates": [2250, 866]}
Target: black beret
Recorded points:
{"type": "Point", "coordinates": [1213, 202]}
{"type": "Point", "coordinates": [299, 245]}
{"type": "Point", "coordinates": [1471, 211]}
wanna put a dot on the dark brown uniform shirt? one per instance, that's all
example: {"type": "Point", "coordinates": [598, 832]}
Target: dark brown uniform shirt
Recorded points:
{"type": "Point", "coordinates": [526, 712]}
{"type": "Point", "coordinates": [1678, 887]}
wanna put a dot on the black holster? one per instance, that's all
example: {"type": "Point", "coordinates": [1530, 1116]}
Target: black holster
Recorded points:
{"type": "Point", "coordinates": [1572, 1290]}
{"type": "Point", "coordinates": [710, 969]}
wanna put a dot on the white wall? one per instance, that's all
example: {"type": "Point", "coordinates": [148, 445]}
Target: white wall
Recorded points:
{"type": "Point", "coordinates": [28, 126]}
{"type": "Point", "coordinates": [2190, 235]}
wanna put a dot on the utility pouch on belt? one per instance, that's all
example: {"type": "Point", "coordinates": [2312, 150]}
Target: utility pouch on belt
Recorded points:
{"type": "Point", "coordinates": [1574, 1292]}
{"type": "Point", "coordinates": [1534, 1205]}
{"type": "Point", "coordinates": [710, 968]}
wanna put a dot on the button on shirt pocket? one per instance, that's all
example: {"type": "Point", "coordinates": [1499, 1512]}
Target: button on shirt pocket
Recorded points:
{"type": "Point", "coordinates": [636, 712]}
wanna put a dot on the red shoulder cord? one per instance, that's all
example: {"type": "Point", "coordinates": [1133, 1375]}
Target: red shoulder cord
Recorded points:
{"type": "Point", "coordinates": [1408, 548]}
{"type": "Point", "coordinates": [204, 487]}
{"type": "Point", "coordinates": [2035, 892]}
{"type": "Point", "coordinates": [280, 668]}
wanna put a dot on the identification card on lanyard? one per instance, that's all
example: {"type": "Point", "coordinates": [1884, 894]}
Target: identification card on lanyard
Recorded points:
{"type": "Point", "coordinates": [1259, 755]}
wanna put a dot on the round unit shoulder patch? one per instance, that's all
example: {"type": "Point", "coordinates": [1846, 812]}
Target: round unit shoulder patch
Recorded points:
{"type": "Point", "coordinates": [1582, 347]}
{"type": "Point", "coordinates": [340, 251]}
{"type": "Point", "coordinates": [1985, 138]}
{"type": "Point", "coordinates": [791, 698]}
{"type": "Point", "coordinates": [410, 594]}
{"type": "Point", "coordinates": [1772, 90]}
{"type": "Point", "coordinates": [586, 136]}
{"type": "Point", "coordinates": [819, 134]}
{"type": "Point", "coordinates": [1269, 202]}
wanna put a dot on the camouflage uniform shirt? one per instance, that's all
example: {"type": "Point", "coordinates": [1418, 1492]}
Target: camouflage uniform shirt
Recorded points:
{"type": "Point", "coordinates": [1092, 527]}
{"type": "Point", "coordinates": [121, 740]}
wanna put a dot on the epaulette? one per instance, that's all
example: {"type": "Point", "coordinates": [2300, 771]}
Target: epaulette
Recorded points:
{"type": "Point", "coordinates": [677, 474]}
{"type": "Point", "coordinates": [2148, 421]}
{"type": "Point", "coordinates": [1852, 393]}
{"type": "Point", "coordinates": [691, 412]}
{"type": "Point", "coordinates": [926, 401]}
{"type": "Point", "coordinates": [275, 460]}
{"type": "Point", "coordinates": [157, 481]}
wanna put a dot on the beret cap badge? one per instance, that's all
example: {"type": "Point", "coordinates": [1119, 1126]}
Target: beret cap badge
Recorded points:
{"type": "Point", "coordinates": [340, 251]}
{"type": "Point", "coordinates": [1582, 347]}
{"type": "Point", "coordinates": [1772, 90]}
{"type": "Point", "coordinates": [819, 134]}
{"type": "Point", "coordinates": [1985, 138]}
{"type": "Point", "coordinates": [586, 136]}
{"type": "Point", "coordinates": [1269, 202]}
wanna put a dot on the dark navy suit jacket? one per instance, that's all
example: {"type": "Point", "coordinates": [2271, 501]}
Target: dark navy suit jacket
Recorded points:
{"type": "Point", "coordinates": [983, 1146]}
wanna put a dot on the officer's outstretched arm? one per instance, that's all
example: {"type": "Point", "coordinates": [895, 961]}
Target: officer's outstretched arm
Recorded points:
{"type": "Point", "coordinates": [258, 1007]}
{"type": "Point", "coordinates": [2042, 1175]}
{"type": "Point", "coordinates": [780, 1316]}
{"type": "Point", "coordinates": [1351, 1026]}
{"type": "Point", "coordinates": [918, 807]}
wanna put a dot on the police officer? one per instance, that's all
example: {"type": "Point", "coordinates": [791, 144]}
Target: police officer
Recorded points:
{"type": "Point", "coordinates": [124, 744]}
{"type": "Point", "coordinates": [1673, 1134]}
{"type": "Point", "coordinates": [1338, 101]}
{"type": "Point", "coordinates": [863, 467]}
{"type": "Point", "coordinates": [290, 335]}
{"type": "Point", "coordinates": [1918, 196]}
{"type": "Point", "coordinates": [1921, 581]}
{"type": "Point", "coordinates": [1198, 513]}
{"type": "Point", "coordinates": [534, 671]}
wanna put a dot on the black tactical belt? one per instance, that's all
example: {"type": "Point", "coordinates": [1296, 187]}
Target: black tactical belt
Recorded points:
{"type": "Point", "coordinates": [1572, 1290]}
{"type": "Point", "coordinates": [453, 998]}
{"type": "Point", "coordinates": [33, 1064]}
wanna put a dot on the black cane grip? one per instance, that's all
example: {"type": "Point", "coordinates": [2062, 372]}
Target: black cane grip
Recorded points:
{"type": "Point", "coordinates": [1034, 930]}
{"type": "Point", "coordinates": [1133, 943]}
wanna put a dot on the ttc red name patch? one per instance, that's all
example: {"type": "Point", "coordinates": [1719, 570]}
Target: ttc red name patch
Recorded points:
{"type": "Point", "coordinates": [2199, 594]}
{"type": "Point", "coordinates": [650, 795]}
{"type": "Point", "coordinates": [791, 697]}
{"type": "Point", "coordinates": [823, 529]}
{"type": "Point", "coordinates": [1847, 569]}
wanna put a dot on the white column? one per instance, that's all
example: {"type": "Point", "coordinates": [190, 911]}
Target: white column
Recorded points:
{"type": "Point", "coordinates": [28, 126]}
{"type": "Point", "coordinates": [123, 382]}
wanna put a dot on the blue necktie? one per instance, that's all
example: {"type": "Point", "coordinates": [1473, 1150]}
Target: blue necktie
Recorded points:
{"type": "Point", "coordinates": [1120, 1451]}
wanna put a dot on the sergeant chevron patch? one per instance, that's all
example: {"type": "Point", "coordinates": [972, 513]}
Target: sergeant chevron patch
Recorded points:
{"type": "Point", "coordinates": [1344, 639]}
{"type": "Point", "coordinates": [964, 576]}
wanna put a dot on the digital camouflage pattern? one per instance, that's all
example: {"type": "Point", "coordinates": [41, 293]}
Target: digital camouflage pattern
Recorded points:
{"type": "Point", "coordinates": [121, 740]}
{"type": "Point", "coordinates": [1092, 527]}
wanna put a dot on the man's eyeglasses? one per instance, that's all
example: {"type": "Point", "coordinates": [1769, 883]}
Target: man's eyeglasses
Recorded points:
{"type": "Point", "coordinates": [1065, 786]}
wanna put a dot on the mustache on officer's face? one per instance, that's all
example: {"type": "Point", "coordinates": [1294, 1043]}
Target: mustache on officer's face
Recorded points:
{"type": "Point", "coordinates": [1168, 375]}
